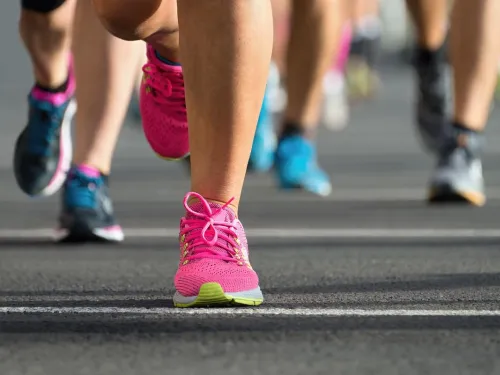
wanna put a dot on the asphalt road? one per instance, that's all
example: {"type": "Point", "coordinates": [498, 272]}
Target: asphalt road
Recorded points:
{"type": "Point", "coordinates": [368, 281]}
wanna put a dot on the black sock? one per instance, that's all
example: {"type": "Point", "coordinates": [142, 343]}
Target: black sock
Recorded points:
{"type": "Point", "coordinates": [291, 129]}
{"type": "Point", "coordinates": [463, 137]}
{"type": "Point", "coordinates": [460, 128]}
{"type": "Point", "coordinates": [425, 56]}
{"type": "Point", "coordinates": [54, 90]}
{"type": "Point", "coordinates": [358, 47]}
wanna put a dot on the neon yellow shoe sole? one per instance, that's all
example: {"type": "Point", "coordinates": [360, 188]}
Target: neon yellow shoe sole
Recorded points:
{"type": "Point", "coordinates": [212, 295]}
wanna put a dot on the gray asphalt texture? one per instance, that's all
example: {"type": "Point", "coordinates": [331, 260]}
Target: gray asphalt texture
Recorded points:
{"type": "Point", "coordinates": [379, 175]}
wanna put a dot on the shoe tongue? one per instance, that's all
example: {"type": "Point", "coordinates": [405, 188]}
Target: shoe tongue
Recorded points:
{"type": "Point", "coordinates": [225, 215]}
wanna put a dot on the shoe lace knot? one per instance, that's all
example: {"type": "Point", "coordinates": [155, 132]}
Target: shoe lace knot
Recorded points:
{"type": "Point", "coordinates": [204, 235]}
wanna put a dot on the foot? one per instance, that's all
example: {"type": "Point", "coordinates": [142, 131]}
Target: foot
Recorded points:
{"type": "Point", "coordinates": [297, 167]}
{"type": "Point", "coordinates": [335, 112]}
{"type": "Point", "coordinates": [43, 150]}
{"type": "Point", "coordinates": [363, 82]}
{"type": "Point", "coordinates": [87, 212]}
{"type": "Point", "coordinates": [163, 108]}
{"type": "Point", "coordinates": [214, 267]}
{"type": "Point", "coordinates": [458, 175]}
{"type": "Point", "coordinates": [361, 73]}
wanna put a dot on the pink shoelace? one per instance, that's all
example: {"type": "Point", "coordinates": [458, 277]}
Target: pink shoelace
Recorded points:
{"type": "Point", "coordinates": [167, 86]}
{"type": "Point", "coordinates": [197, 243]}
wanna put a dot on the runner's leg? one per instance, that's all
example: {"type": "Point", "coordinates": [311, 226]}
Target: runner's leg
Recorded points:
{"type": "Point", "coordinates": [105, 69]}
{"type": "Point", "coordinates": [226, 50]}
{"type": "Point", "coordinates": [475, 48]}
{"type": "Point", "coordinates": [315, 34]}
{"type": "Point", "coordinates": [42, 152]}
{"type": "Point", "coordinates": [433, 87]}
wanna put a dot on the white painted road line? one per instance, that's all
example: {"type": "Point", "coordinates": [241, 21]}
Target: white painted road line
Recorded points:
{"type": "Point", "coordinates": [282, 312]}
{"type": "Point", "coordinates": [265, 192]}
{"type": "Point", "coordinates": [348, 233]}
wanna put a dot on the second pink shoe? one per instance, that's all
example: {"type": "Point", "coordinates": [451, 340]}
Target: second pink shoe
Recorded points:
{"type": "Point", "coordinates": [163, 108]}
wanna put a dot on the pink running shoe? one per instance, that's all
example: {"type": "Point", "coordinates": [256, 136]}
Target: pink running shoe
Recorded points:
{"type": "Point", "coordinates": [214, 268]}
{"type": "Point", "coordinates": [163, 108]}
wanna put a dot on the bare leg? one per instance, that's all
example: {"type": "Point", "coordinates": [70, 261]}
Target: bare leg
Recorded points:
{"type": "Point", "coordinates": [316, 30]}
{"type": "Point", "coordinates": [315, 36]}
{"type": "Point", "coordinates": [105, 68]}
{"type": "Point", "coordinates": [433, 92]}
{"type": "Point", "coordinates": [430, 18]}
{"type": "Point", "coordinates": [475, 48]}
{"type": "Point", "coordinates": [43, 150]}
{"type": "Point", "coordinates": [47, 37]}
{"type": "Point", "coordinates": [221, 139]}
{"type": "Point", "coordinates": [281, 21]}
{"type": "Point", "coordinates": [225, 51]}
{"type": "Point", "coordinates": [154, 21]}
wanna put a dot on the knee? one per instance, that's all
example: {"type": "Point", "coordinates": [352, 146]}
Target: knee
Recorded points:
{"type": "Point", "coordinates": [130, 19]}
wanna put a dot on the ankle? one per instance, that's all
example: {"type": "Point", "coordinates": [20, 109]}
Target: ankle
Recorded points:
{"type": "Point", "coordinates": [89, 170]}
{"type": "Point", "coordinates": [291, 129]}
{"type": "Point", "coordinates": [463, 128]}
{"type": "Point", "coordinates": [428, 55]}
{"type": "Point", "coordinates": [232, 205]}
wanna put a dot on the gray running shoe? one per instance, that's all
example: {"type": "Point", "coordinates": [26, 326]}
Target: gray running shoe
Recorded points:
{"type": "Point", "coordinates": [458, 176]}
{"type": "Point", "coordinates": [433, 97]}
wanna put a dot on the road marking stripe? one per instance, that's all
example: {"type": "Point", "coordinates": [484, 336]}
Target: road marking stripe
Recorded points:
{"type": "Point", "coordinates": [325, 312]}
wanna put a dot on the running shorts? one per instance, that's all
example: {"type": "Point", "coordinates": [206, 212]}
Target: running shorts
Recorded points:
{"type": "Point", "coordinates": [42, 6]}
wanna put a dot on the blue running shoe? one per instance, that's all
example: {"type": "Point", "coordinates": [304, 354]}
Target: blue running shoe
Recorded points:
{"type": "Point", "coordinates": [43, 150]}
{"type": "Point", "coordinates": [297, 166]}
{"type": "Point", "coordinates": [264, 142]}
{"type": "Point", "coordinates": [87, 211]}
